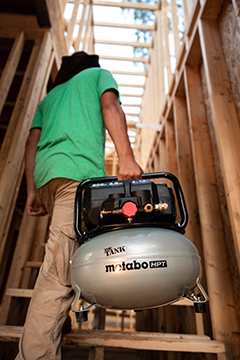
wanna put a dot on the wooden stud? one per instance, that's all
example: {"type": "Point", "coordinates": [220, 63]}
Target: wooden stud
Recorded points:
{"type": "Point", "coordinates": [21, 255]}
{"type": "Point", "coordinates": [4, 240]}
{"type": "Point", "coordinates": [185, 168]}
{"type": "Point", "coordinates": [175, 27]}
{"type": "Point", "coordinates": [165, 30]}
{"type": "Point", "coordinates": [223, 311]}
{"type": "Point", "coordinates": [89, 23]}
{"type": "Point", "coordinates": [12, 162]}
{"type": "Point", "coordinates": [37, 253]}
{"type": "Point", "coordinates": [57, 29]}
{"type": "Point", "coordinates": [225, 120]}
{"type": "Point", "coordinates": [10, 68]}
{"type": "Point", "coordinates": [160, 52]}
{"type": "Point", "coordinates": [71, 23]}
{"type": "Point", "coordinates": [78, 40]}
{"type": "Point", "coordinates": [171, 161]}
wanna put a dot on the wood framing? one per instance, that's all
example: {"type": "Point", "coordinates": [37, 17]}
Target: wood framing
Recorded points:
{"type": "Point", "coordinates": [188, 125]}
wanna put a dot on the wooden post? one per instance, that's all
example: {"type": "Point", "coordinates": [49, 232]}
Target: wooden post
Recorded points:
{"type": "Point", "coordinates": [171, 162]}
{"type": "Point", "coordinates": [21, 255]}
{"type": "Point", "coordinates": [10, 68]}
{"type": "Point", "coordinates": [89, 24]}
{"type": "Point", "coordinates": [165, 30]}
{"type": "Point", "coordinates": [185, 168]}
{"type": "Point", "coordinates": [225, 120]}
{"type": "Point", "coordinates": [4, 243]}
{"type": "Point", "coordinates": [223, 310]}
{"type": "Point", "coordinates": [12, 163]}
{"type": "Point", "coordinates": [97, 353]}
{"type": "Point", "coordinates": [72, 23]}
{"type": "Point", "coordinates": [37, 253]}
{"type": "Point", "coordinates": [81, 26]}
{"type": "Point", "coordinates": [175, 27]}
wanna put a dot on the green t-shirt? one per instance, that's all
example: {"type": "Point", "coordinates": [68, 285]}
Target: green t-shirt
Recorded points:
{"type": "Point", "coordinates": [73, 133]}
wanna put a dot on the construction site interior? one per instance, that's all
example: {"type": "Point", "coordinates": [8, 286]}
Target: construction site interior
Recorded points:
{"type": "Point", "coordinates": [180, 91]}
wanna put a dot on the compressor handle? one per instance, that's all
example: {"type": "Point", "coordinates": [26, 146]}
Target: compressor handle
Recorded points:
{"type": "Point", "coordinates": [155, 175]}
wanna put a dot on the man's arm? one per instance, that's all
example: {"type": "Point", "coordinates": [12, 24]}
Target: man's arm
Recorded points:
{"type": "Point", "coordinates": [115, 123]}
{"type": "Point", "coordinates": [35, 206]}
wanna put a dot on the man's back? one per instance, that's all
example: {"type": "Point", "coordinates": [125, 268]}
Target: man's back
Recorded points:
{"type": "Point", "coordinates": [73, 132]}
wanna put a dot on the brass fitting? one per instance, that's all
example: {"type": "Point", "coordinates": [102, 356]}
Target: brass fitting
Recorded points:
{"type": "Point", "coordinates": [148, 208]}
{"type": "Point", "coordinates": [161, 207]}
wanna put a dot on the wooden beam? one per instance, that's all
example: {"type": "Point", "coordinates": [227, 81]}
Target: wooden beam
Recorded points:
{"type": "Point", "coordinates": [171, 160]}
{"type": "Point", "coordinates": [57, 28]}
{"type": "Point", "coordinates": [34, 264]}
{"type": "Point", "coordinates": [129, 114]}
{"type": "Point", "coordinates": [20, 257]}
{"type": "Point", "coordinates": [132, 105]}
{"type": "Point", "coordinates": [131, 340]}
{"type": "Point", "coordinates": [144, 341]}
{"type": "Point", "coordinates": [12, 159]}
{"type": "Point", "coordinates": [11, 23]}
{"type": "Point", "coordinates": [10, 68]}
{"type": "Point", "coordinates": [175, 27]}
{"type": "Point", "coordinates": [142, 27]}
{"type": "Point", "coordinates": [185, 169]}
{"type": "Point", "coordinates": [119, 58]}
{"type": "Point", "coordinates": [225, 120]}
{"type": "Point", "coordinates": [134, 44]}
{"type": "Point", "coordinates": [211, 8]}
{"type": "Point", "coordinates": [126, 5]}
{"type": "Point", "coordinates": [81, 23]}
{"type": "Point", "coordinates": [131, 95]}
{"type": "Point", "coordinates": [24, 293]}
{"type": "Point", "coordinates": [132, 73]}
{"type": "Point", "coordinates": [71, 23]}
{"type": "Point", "coordinates": [4, 243]}
{"type": "Point", "coordinates": [223, 308]}
{"type": "Point", "coordinates": [131, 85]}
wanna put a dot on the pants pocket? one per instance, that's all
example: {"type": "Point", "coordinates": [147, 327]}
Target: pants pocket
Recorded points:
{"type": "Point", "coordinates": [58, 255]}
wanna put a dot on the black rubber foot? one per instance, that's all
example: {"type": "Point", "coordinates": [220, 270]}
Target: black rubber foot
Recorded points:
{"type": "Point", "coordinates": [81, 316]}
{"type": "Point", "coordinates": [200, 307]}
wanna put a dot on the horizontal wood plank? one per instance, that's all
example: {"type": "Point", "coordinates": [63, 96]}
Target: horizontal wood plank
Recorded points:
{"type": "Point", "coordinates": [130, 340]}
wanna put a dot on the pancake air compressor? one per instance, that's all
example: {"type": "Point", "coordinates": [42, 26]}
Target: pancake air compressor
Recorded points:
{"type": "Point", "coordinates": [133, 254]}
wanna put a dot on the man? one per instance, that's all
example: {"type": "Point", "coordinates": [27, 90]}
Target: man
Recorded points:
{"type": "Point", "coordinates": [64, 147]}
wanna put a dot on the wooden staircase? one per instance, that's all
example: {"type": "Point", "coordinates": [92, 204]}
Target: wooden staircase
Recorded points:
{"type": "Point", "coordinates": [25, 264]}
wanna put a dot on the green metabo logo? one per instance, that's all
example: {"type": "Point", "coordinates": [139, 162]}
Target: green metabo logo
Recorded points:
{"type": "Point", "coordinates": [136, 265]}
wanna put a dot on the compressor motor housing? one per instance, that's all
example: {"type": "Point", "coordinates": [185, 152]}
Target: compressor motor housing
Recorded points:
{"type": "Point", "coordinates": [113, 203]}
{"type": "Point", "coordinates": [133, 253]}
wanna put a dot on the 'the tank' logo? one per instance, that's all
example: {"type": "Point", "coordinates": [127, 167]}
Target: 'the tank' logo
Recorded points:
{"type": "Point", "coordinates": [114, 250]}
{"type": "Point", "coordinates": [135, 265]}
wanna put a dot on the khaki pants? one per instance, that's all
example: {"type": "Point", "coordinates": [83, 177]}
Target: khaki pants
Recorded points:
{"type": "Point", "coordinates": [53, 293]}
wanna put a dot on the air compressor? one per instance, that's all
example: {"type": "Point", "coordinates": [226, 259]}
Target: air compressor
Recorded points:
{"type": "Point", "coordinates": [133, 254]}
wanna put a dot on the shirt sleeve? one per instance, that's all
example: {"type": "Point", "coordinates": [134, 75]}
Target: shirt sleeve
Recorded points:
{"type": "Point", "coordinates": [107, 82]}
{"type": "Point", "coordinates": [37, 120]}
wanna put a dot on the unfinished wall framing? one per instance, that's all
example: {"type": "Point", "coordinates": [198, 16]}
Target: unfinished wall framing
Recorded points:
{"type": "Point", "coordinates": [196, 113]}
{"type": "Point", "coordinates": [199, 139]}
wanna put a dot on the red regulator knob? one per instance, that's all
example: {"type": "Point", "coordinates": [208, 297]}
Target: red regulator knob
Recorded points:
{"type": "Point", "coordinates": [129, 209]}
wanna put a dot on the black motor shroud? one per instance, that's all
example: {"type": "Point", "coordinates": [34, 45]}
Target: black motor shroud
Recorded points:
{"type": "Point", "coordinates": [99, 204]}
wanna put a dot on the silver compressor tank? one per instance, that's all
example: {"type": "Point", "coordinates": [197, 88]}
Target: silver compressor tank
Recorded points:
{"type": "Point", "coordinates": [135, 265]}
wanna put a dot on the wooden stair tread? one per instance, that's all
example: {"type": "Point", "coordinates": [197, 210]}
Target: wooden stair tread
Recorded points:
{"type": "Point", "coordinates": [130, 340]}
